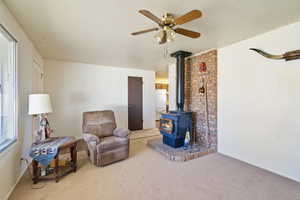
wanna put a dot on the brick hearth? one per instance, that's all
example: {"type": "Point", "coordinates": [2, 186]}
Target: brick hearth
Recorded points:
{"type": "Point", "coordinates": [178, 154]}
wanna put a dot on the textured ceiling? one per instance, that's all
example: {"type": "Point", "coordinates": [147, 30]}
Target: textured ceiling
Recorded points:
{"type": "Point", "coordinates": [98, 32]}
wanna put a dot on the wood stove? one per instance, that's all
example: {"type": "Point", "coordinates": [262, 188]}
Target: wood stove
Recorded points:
{"type": "Point", "coordinates": [175, 124]}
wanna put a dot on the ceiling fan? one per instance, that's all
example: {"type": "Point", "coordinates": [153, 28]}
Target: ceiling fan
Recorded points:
{"type": "Point", "coordinates": [167, 25]}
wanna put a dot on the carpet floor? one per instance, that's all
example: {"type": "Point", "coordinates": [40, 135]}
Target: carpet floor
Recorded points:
{"type": "Point", "coordinates": [147, 175]}
{"type": "Point", "coordinates": [144, 134]}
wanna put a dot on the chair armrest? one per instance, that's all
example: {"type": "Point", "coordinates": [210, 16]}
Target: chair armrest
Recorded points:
{"type": "Point", "coordinates": [121, 132]}
{"type": "Point", "coordinates": [92, 142]}
{"type": "Point", "coordinates": [90, 138]}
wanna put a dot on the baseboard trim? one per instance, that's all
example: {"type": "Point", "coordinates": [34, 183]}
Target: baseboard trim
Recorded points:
{"type": "Point", "coordinates": [18, 180]}
{"type": "Point", "coordinates": [260, 167]}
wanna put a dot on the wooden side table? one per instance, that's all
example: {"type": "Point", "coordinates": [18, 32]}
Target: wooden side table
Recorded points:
{"type": "Point", "coordinates": [58, 173]}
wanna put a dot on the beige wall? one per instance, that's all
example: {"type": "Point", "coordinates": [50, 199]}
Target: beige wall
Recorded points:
{"type": "Point", "coordinates": [258, 102]}
{"type": "Point", "coordinates": [78, 87]}
{"type": "Point", "coordinates": [10, 167]}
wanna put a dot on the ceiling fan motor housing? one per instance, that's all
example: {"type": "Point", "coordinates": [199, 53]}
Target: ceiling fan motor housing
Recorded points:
{"type": "Point", "coordinates": [168, 20]}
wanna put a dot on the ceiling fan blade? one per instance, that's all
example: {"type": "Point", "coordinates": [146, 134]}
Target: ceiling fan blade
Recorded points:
{"type": "Point", "coordinates": [145, 31]}
{"type": "Point", "coordinates": [187, 33]}
{"type": "Point", "coordinates": [148, 14]}
{"type": "Point", "coordinates": [194, 14]}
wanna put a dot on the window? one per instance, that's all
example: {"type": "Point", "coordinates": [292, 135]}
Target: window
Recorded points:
{"type": "Point", "coordinates": [8, 122]}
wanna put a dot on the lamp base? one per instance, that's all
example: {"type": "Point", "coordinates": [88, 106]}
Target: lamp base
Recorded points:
{"type": "Point", "coordinates": [44, 129]}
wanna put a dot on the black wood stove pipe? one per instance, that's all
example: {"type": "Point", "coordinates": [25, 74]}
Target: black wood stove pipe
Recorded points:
{"type": "Point", "coordinates": [180, 66]}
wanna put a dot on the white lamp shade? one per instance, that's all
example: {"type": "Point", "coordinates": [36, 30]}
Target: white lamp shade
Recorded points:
{"type": "Point", "coordinates": [39, 104]}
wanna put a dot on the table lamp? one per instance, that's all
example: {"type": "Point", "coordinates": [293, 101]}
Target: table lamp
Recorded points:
{"type": "Point", "coordinates": [40, 105]}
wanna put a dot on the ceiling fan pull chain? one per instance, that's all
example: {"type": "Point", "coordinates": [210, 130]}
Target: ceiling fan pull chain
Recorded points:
{"type": "Point", "coordinates": [166, 51]}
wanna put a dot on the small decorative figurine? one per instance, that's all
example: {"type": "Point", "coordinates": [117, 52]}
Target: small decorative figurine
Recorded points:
{"type": "Point", "coordinates": [187, 139]}
{"type": "Point", "coordinates": [44, 129]}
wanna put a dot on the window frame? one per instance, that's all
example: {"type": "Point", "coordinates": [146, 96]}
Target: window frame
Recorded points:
{"type": "Point", "coordinates": [14, 136]}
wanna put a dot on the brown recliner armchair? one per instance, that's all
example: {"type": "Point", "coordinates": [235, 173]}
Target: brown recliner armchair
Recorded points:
{"type": "Point", "coordinates": [106, 143]}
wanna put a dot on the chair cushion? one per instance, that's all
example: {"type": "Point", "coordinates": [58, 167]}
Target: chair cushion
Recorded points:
{"type": "Point", "coordinates": [110, 143]}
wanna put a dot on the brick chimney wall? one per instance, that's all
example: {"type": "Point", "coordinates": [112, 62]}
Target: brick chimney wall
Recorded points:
{"type": "Point", "coordinates": [196, 102]}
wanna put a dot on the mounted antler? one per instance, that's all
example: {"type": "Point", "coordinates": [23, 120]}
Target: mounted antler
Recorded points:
{"type": "Point", "coordinates": [290, 55]}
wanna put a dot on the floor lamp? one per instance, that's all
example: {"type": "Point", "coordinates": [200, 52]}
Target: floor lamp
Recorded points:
{"type": "Point", "coordinates": [40, 105]}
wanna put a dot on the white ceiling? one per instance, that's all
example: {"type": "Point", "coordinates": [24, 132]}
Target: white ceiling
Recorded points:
{"type": "Point", "coordinates": [98, 31]}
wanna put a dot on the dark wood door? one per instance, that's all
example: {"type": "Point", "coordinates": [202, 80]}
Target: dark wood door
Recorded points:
{"type": "Point", "coordinates": [135, 103]}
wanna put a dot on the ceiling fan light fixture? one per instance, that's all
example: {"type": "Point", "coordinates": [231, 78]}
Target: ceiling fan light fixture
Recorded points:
{"type": "Point", "coordinates": [170, 34]}
{"type": "Point", "coordinates": [159, 36]}
{"type": "Point", "coordinates": [167, 34]}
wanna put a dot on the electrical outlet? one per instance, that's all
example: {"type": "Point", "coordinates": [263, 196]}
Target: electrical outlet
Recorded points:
{"type": "Point", "coordinates": [25, 161]}
{"type": "Point", "coordinates": [21, 161]}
